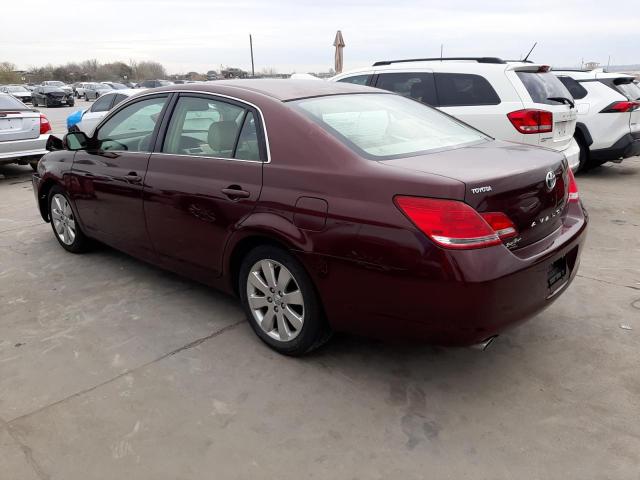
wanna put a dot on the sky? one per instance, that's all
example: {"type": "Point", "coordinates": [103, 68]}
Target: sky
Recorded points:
{"type": "Point", "coordinates": [297, 35]}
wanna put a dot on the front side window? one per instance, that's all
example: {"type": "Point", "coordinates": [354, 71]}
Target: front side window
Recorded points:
{"type": "Point", "coordinates": [544, 87]}
{"type": "Point", "coordinates": [463, 89]}
{"type": "Point", "coordinates": [102, 104]}
{"type": "Point", "coordinates": [385, 126]}
{"type": "Point", "coordinates": [211, 128]}
{"type": "Point", "coordinates": [357, 79]}
{"type": "Point", "coordinates": [131, 128]}
{"type": "Point", "coordinates": [418, 86]}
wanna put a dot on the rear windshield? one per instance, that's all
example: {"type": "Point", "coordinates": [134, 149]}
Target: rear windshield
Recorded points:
{"type": "Point", "coordinates": [7, 102]}
{"type": "Point", "coordinates": [543, 86]}
{"type": "Point", "coordinates": [629, 90]}
{"type": "Point", "coordinates": [383, 126]}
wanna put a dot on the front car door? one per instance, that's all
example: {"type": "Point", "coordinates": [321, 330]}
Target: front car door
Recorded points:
{"type": "Point", "coordinates": [204, 178]}
{"type": "Point", "coordinates": [107, 178]}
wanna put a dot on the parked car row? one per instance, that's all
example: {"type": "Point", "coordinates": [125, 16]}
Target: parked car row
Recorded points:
{"type": "Point", "coordinates": [302, 198]}
{"type": "Point", "coordinates": [591, 117]}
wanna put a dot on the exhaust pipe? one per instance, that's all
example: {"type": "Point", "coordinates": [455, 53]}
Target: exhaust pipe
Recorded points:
{"type": "Point", "coordinates": [482, 346]}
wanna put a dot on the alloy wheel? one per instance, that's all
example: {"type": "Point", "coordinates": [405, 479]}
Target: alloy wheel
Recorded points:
{"type": "Point", "coordinates": [275, 300]}
{"type": "Point", "coordinates": [63, 219]}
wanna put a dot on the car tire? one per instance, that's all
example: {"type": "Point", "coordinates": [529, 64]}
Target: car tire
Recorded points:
{"type": "Point", "coordinates": [287, 315]}
{"type": "Point", "coordinates": [64, 223]}
{"type": "Point", "coordinates": [34, 165]}
{"type": "Point", "coordinates": [584, 155]}
{"type": "Point", "coordinates": [34, 102]}
{"type": "Point", "coordinates": [71, 104]}
{"type": "Point", "coordinates": [46, 102]}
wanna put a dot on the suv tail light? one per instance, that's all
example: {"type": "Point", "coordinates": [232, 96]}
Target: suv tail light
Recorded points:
{"type": "Point", "coordinates": [574, 196]}
{"type": "Point", "coordinates": [531, 120]}
{"type": "Point", "coordinates": [621, 107]}
{"type": "Point", "coordinates": [454, 224]}
{"type": "Point", "coordinates": [45, 126]}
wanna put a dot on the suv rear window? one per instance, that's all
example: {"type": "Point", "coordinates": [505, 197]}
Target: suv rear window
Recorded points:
{"type": "Point", "coordinates": [462, 89]}
{"type": "Point", "coordinates": [542, 86]}
{"type": "Point", "coordinates": [629, 90]}
{"type": "Point", "coordinates": [576, 90]}
{"type": "Point", "coordinates": [384, 126]}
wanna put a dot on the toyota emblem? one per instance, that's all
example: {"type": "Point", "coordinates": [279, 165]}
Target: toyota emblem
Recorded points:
{"type": "Point", "coordinates": [550, 180]}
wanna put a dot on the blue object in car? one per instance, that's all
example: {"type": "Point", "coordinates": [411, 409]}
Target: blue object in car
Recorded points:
{"type": "Point", "coordinates": [74, 119]}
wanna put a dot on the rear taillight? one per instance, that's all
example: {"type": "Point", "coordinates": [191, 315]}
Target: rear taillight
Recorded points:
{"type": "Point", "coordinates": [453, 224]}
{"type": "Point", "coordinates": [501, 224]}
{"type": "Point", "coordinates": [532, 121]}
{"type": "Point", "coordinates": [45, 126]}
{"type": "Point", "coordinates": [574, 196]}
{"type": "Point", "coordinates": [621, 107]}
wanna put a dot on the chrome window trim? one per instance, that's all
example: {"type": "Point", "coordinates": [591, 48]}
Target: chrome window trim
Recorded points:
{"type": "Point", "coordinates": [124, 103]}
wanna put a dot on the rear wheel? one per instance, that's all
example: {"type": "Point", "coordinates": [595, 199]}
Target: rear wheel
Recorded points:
{"type": "Point", "coordinates": [281, 301]}
{"type": "Point", "coordinates": [584, 154]}
{"type": "Point", "coordinates": [34, 102]}
{"type": "Point", "coordinates": [64, 223]}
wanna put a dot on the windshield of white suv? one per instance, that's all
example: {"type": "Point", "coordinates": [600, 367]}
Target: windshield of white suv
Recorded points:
{"type": "Point", "coordinates": [543, 86]}
{"type": "Point", "coordinates": [382, 126]}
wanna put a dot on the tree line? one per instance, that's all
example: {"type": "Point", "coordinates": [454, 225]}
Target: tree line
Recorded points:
{"type": "Point", "coordinates": [88, 70]}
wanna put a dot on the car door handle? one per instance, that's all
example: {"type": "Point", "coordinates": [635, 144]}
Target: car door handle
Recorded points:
{"type": "Point", "coordinates": [235, 192]}
{"type": "Point", "coordinates": [132, 177]}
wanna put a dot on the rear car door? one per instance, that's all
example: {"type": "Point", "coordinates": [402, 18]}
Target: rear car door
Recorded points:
{"type": "Point", "coordinates": [107, 177]}
{"type": "Point", "coordinates": [203, 180]}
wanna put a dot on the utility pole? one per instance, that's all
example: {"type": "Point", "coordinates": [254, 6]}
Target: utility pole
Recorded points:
{"type": "Point", "coordinates": [253, 72]}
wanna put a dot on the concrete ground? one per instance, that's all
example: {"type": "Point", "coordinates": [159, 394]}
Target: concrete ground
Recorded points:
{"type": "Point", "coordinates": [113, 369]}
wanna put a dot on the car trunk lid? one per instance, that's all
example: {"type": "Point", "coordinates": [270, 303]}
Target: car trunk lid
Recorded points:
{"type": "Point", "coordinates": [511, 179]}
{"type": "Point", "coordinates": [19, 125]}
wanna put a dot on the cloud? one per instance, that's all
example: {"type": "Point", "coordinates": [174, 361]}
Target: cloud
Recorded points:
{"type": "Point", "coordinates": [298, 35]}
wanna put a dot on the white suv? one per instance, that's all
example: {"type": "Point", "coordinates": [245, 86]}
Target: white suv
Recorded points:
{"type": "Point", "coordinates": [608, 106]}
{"type": "Point", "coordinates": [509, 100]}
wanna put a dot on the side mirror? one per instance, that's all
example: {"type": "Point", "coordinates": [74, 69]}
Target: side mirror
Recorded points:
{"type": "Point", "coordinates": [75, 141]}
{"type": "Point", "coordinates": [54, 143]}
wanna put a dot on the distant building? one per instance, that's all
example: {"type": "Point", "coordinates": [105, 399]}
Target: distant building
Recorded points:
{"type": "Point", "coordinates": [592, 65]}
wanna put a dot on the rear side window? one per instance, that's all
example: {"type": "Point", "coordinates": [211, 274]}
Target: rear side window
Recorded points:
{"type": "Point", "coordinates": [576, 90]}
{"type": "Point", "coordinates": [357, 79]}
{"type": "Point", "coordinates": [461, 89]}
{"type": "Point", "coordinates": [418, 86]}
{"type": "Point", "coordinates": [206, 127]}
{"type": "Point", "coordinates": [542, 86]}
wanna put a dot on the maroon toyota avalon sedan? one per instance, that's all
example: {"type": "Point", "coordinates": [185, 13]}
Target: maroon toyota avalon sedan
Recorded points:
{"type": "Point", "coordinates": [324, 207]}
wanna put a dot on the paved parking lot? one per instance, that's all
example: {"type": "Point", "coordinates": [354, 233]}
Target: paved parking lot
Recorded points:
{"type": "Point", "coordinates": [113, 369]}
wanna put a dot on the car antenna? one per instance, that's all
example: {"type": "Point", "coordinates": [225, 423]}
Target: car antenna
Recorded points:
{"type": "Point", "coordinates": [527, 57]}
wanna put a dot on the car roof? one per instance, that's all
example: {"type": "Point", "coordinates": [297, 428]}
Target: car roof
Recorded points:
{"type": "Point", "coordinates": [590, 74]}
{"type": "Point", "coordinates": [457, 65]}
{"type": "Point", "coordinates": [125, 91]}
{"type": "Point", "coordinates": [280, 89]}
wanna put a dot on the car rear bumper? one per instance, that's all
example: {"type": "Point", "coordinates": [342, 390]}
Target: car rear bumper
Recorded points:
{"type": "Point", "coordinates": [15, 150]}
{"type": "Point", "coordinates": [627, 146]}
{"type": "Point", "coordinates": [572, 154]}
{"type": "Point", "coordinates": [473, 294]}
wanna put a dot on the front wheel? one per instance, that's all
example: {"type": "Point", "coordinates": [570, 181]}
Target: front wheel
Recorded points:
{"type": "Point", "coordinates": [281, 302]}
{"type": "Point", "coordinates": [64, 223]}
{"type": "Point", "coordinates": [34, 102]}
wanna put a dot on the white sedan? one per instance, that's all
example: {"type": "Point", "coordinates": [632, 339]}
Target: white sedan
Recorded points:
{"type": "Point", "coordinates": [92, 116]}
{"type": "Point", "coordinates": [24, 132]}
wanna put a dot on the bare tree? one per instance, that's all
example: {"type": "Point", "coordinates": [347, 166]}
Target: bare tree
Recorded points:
{"type": "Point", "coordinates": [8, 73]}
